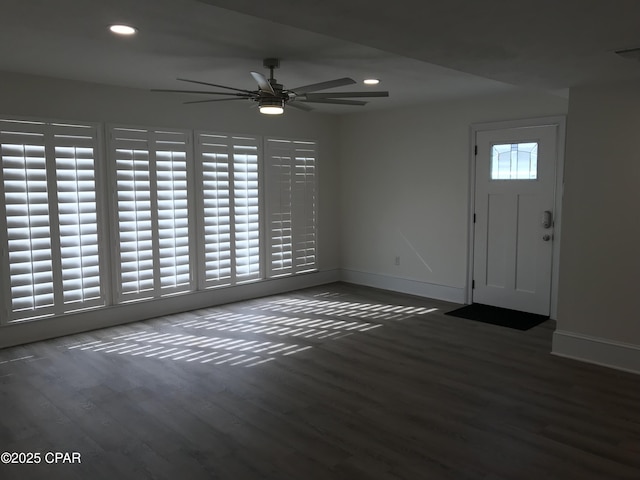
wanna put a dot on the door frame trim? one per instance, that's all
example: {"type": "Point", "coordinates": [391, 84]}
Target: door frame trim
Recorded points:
{"type": "Point", "coordinates": [560, 122]}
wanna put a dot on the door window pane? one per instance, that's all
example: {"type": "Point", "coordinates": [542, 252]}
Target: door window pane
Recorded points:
{"type": "Point", "coordinates": [514, 161]}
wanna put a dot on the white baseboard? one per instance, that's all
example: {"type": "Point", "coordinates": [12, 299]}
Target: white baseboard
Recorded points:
{"type": "Point", "coordinates": [599, 351]}
{"type": "Point", "coordinates": [43, 329]}
{"type": "Point", "coordinates": [404, 285]}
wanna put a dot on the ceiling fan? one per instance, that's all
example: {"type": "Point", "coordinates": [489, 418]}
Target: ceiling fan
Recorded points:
{"type": "Point", "coordinates": [272, 97]}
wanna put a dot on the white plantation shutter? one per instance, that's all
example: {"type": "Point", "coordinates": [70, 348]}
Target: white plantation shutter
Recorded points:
{"type": "Point", "coordinates": [50, 218]}
{"type": "Point", "coordinates": [246, 200]}
{"type": "Point", "coordinates": [135, 229]}
{"type": "Point", "coordinates": [229, 206]}
{"type": "Point", "coordinates": [26, 196]}
{"type": "Point", "coordinates": [291, 206]}
{"type": "Point", "coordinates": [152, 176]}
{"type": "Point", "coordinates": [51, 246]}
{"type": "Point", "coordinates": [77, 214]}
{"type": "Point", "coordinates": [279, 173]}
{"type": "Point", "coordinates": [214, 158]}
{"type": "Point", "coordinates": [305, 207]}
{"type": "Point", "coordinates": [173, 212]}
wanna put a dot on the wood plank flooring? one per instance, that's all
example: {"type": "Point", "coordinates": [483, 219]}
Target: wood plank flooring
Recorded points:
{"type": "Point", "coordinates": [335, 382]}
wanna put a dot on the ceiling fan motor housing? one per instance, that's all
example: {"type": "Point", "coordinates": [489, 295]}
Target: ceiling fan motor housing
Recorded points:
{"type": "Point", "coordinates": [271, 101]}
{"type": "Point", "coordinates": [277, 88]}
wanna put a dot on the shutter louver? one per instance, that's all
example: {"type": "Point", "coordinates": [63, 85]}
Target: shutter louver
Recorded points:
{"type": "Point", "coordinates": [246, 212]}
{"type": "Point", "coordinates": [280, 209]}
{"type": "Point", "coordinates": [291, 206]}
{"type": "Point", "coordinates": [173, 213]}
{"type": "Point", "coordinates": [77, 215]}
{"type": "Point", "coordinates": [28, 229]}
{"type": "Point", "coordinates": [49, 170]}
{"type": "Point", "coordinates": [133, 188]}
{"type": "Point", "coordinates": [214, 159]}
{"type": "Point", "coordinates": [304, 207]}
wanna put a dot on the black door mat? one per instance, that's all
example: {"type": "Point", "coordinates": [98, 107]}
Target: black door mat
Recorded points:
{"type": "Point", "coordinates": [499, 316]}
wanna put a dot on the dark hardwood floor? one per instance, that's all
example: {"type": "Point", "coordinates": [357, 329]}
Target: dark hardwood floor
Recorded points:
{"type": "Point", "coordinates": [336, 382]}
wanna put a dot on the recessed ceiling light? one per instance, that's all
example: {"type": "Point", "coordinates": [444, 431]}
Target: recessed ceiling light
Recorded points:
{"type": "Point", "coordinates": [123, 29]}
{"type": "Point", "coordinates": [371, 81]}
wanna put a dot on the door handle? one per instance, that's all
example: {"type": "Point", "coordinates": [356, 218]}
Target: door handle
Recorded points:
{"type": "Point", "coordinates": [547, 219]}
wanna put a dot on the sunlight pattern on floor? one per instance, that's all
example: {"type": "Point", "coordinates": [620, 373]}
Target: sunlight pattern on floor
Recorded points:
{"type": "Point", "coordinates": [205, 349]}
{"type": "Point", "coordinates": [370, 311]}
{"type": "Point", "coordinates": [330, 294]}
{"type": "Point", "coordinates": [249, 339]}
{"type": "Point", "coordinates": [273, 325]}
{"type": "Point", "coordinates": [19, 359]}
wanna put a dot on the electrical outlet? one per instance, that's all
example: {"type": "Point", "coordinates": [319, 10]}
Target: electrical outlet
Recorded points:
{"type": "Point", "coordinates": [398, 260]}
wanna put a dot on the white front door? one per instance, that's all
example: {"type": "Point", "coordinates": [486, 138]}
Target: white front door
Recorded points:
{"type": "Point", "coordinates": [515, 178]}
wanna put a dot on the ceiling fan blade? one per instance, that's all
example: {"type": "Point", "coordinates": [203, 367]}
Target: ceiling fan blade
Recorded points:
{"type": "Point", "coordinates": [263, 83]}
{"type": "Point", "coordinates": [214, 85]}
{"type": "Point", "coordinates": [314, 87]}
{"type": "Point", "coordinates": [335, 102]}
{"type": "Point", "coordinates": [345, 95]}
{"type": "Point", "coordinates": [199, 92]}
{"type": "Point", "coordinates": [217, 100]}
{"type": "Point", "coordinates": [299, 106]}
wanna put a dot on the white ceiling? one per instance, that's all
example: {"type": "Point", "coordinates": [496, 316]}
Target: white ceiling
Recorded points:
{"type": "Point", "coordinates": [422, 50]}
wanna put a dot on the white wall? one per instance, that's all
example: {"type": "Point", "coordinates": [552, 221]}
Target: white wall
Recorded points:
{"type": "Point", "coordinates": [598, 317]}
{"type": "Point", "coordinates": [40, 97]}
{"type": "Point", "coordinates": [405, 190]}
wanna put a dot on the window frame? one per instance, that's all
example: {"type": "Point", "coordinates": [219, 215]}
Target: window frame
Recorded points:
{"type": "Point", "coordinates": [120, 298]}
{"type": "Point", "coordinates": [59, 308]}
{"type": "Point", "coordinates": [227, 140]}
{"type": "Point", "coordinates": [105, 175]}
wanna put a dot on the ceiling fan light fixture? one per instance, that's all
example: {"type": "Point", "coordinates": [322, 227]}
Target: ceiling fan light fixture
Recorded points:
{"type": "Point", "coordinates": [272, 96]}
{"type": "Point", "coordinates": [271, 106]}
{"type": "Point", "coordinates": [121, 29]}
{"type": "Point", "coordinates": [371, 81]}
